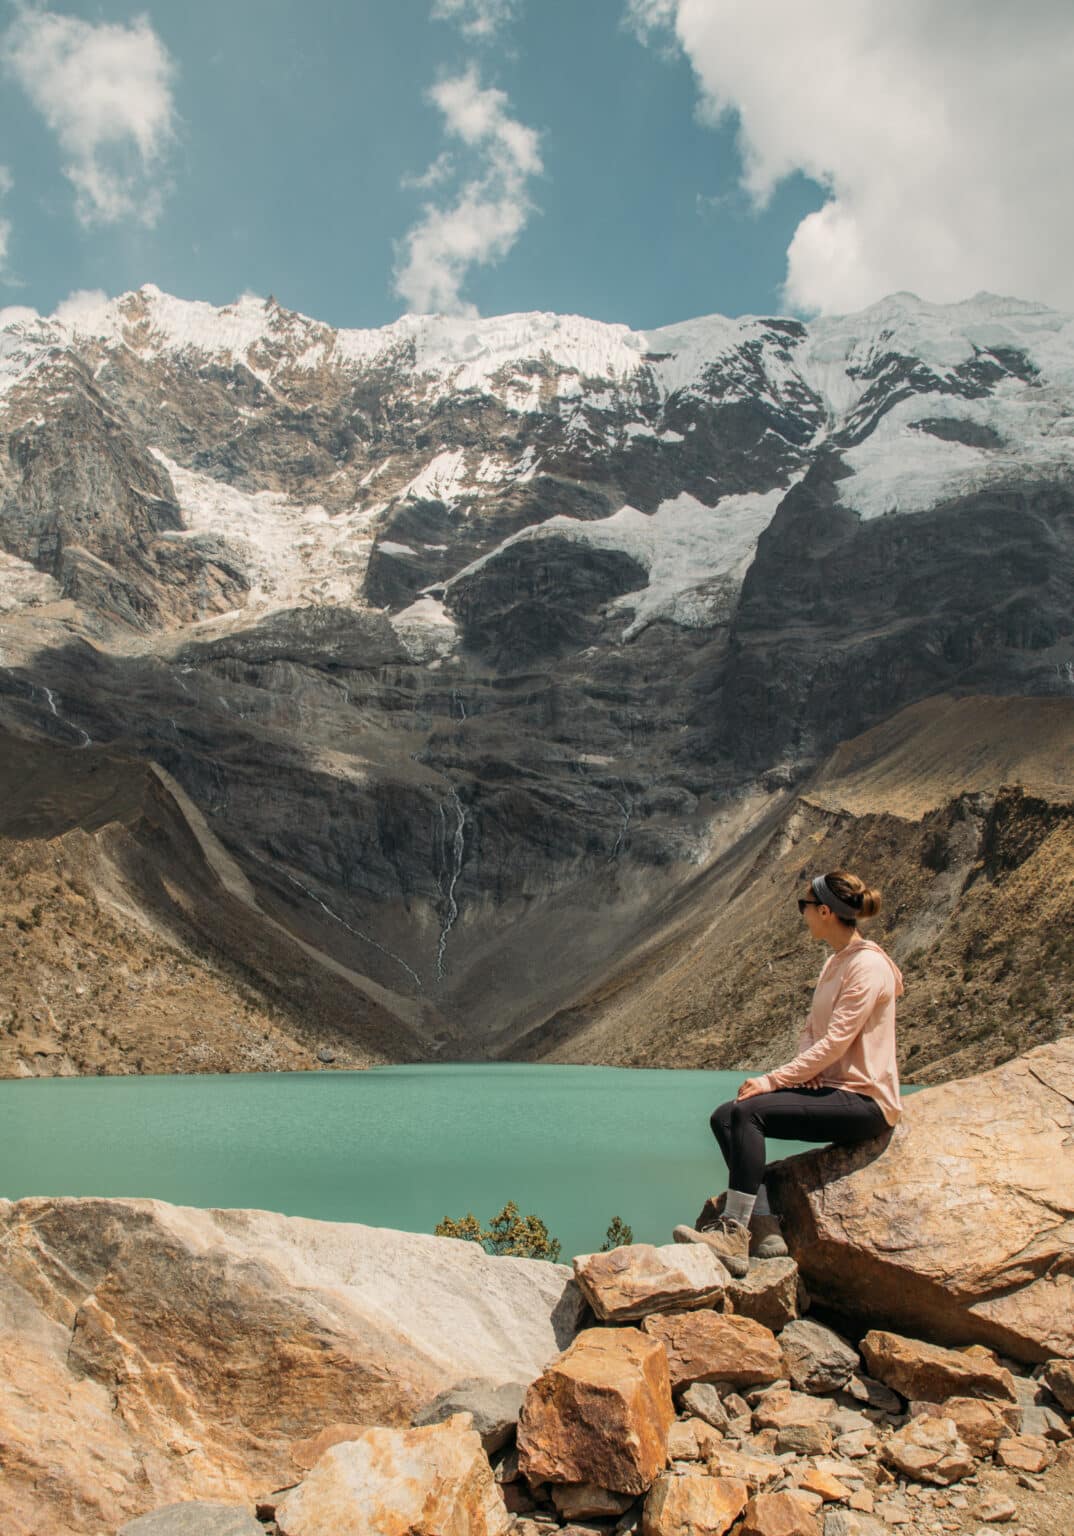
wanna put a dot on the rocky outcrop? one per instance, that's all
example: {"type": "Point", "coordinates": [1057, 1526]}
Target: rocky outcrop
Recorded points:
{"type": "Point", "coordinates": [152, 1353]}
{"type": "Point", "coordinates": [960, 1225]}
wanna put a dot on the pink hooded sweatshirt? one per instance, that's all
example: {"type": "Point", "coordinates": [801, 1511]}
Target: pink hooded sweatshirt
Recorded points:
{"type": "Point", "coordinates": [849, 1037]}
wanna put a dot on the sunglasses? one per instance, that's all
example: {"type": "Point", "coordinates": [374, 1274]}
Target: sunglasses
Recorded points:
{"type": "Point", "coordinates": [803, 903]}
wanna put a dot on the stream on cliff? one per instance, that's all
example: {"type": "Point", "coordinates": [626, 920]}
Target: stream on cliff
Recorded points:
{"type": "Point", "coordinates": [395, 1146]}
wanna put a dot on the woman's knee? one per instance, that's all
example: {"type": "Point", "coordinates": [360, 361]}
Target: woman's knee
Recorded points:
{"type": "Point", "coordinates": [720, 1120]}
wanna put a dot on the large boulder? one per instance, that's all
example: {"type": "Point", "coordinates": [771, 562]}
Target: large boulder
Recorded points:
{"type": "Point", "coordinates": [151, 1354]}
{"type": "Point", "coordinates": [599, 1414]}
{"type": "Point", "coordinates": [431, 1481]}
{"type": "Point", "coordinates": [960, 1225]}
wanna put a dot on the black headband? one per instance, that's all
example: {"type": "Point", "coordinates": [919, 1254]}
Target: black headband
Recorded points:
{"type": "Point", "coordinates": [824, 894]}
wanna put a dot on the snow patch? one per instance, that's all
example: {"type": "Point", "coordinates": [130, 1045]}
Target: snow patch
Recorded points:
{"type": "Point", "coordinates": [426, 629]}
{"type": "Point", "coordinates": [695, 555]}
{"type": "Point", "coordinates": [290, 554]}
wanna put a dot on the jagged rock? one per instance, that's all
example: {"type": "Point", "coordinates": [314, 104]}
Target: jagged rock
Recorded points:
{"type": "Point", "coordinates": [856, 1443]}
{"type": "Point", "coordinates": [981, 1422]}
{"type": "Point", "coordinates": [703, 1401]}
{"type": "Point", "coordinates": [827, 1487]}
{"type": "Point", "coordinates": [739, 1414]}
{"type": "Point", "coordinates": [631, 1282]}
{"type": "Point", "coordinates": [863, 1389]}
{"type": "Point", "coordinates": [493, 1406]}
{"type": "Point", "coordinates": [997, 1509]}
{"type": "Point", "coordinates": [768, 1293]}
{"type": "Point", "coordinates": [200, 1345]}
{"type": "Point", "coordinates": [756, 1471]}
{"type": "Point", "coordinates": [951, 1230]}
{"type": "Point", "coordinates": [1039, 1419]}
{"type": "Point", "coordinates": [600, 1413]}
{"type": "Point", "coordinates": [929, 1451]}
{"type": "Point", "coordinates": [783, 1407]}
{"type": "Point", "coordinates": [818, 1360]}
{"type": "Point", "coordinates": [931, 1373]}
{"type": "Point", "coordinates": [1025, 1453]}
{"type": "Point", "coordinates": [710, 1346]}
{"type": "Point", "coordinates": [1058, 1376]}
{"type": "Point", "coordinates": [433, 1481]}
{"type": "Point", "coordinates": [691, 1440]}
{"type": "Point", "coordinates": [779, 1514]}
{"type": "Point", "coordinates": [844, 1522]}
{"type": "Point", "coordinates": [693, 1504]}
{"type": "Point", "coordinates": [805, 1439]}
{"type": "Point", "coordinates": [582, 1501]}
{"type": "Point", "coordinates": [197, 1517]}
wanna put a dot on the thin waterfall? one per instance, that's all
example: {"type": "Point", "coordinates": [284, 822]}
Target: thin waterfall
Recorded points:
{"type": "Point", "coordinates": [449, 876]}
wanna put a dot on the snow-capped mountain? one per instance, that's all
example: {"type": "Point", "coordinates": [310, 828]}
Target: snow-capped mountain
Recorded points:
{"type": "Point", "coordinates": [455, 620]}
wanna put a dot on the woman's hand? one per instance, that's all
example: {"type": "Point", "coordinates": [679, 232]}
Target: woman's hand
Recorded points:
{"type": "Point", "coordinates": [750, 1088]}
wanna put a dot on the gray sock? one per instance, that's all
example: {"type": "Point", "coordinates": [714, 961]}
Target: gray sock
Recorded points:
{"type": "Point", "coordinates": [762, 1207]}
{"type": "Point", "coordinates": [739, 1207]}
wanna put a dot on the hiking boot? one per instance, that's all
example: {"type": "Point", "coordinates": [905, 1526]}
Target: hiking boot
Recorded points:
{"type": "Point", "coordinates": [729, 1241]}
{"type": "Point", "coordinates": [766, 1240]}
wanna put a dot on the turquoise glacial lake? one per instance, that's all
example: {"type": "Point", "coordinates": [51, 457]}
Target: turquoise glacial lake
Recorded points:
{"type": "Point", "coordinates": [393, 1147]}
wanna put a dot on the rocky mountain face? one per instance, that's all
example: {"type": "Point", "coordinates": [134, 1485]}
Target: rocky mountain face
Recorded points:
{"type": "Point", "coordinates": [473, 642]}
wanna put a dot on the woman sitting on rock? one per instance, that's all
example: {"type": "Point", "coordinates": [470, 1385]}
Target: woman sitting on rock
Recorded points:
{"type": "Point", "coordinates": [843, 1086]}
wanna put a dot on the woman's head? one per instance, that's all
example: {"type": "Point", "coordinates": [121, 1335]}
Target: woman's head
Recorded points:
{"type": "Point", "coordinates": [834, 903]}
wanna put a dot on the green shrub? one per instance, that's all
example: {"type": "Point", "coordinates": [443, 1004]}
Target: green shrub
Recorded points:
{"type": "Point", "coordinates": [508, 1235]}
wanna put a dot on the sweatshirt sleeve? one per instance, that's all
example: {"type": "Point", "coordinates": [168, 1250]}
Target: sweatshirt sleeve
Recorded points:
{"type": "Point", "coordinates": [858, 996]}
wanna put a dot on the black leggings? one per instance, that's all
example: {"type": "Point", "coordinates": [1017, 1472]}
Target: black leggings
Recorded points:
{"type": "Point", "coordinates": [789, 1114]}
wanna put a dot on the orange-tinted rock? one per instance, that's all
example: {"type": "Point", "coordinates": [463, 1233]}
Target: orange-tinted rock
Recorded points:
{"type": "Point", "coordinates": [981, 1422]}
{"type": "Point", "coordinates": [929, 1450]}
{"type": "Point", "coordinates": [691, 1440]}
{"type": "Point", "coordinates": [755, 1471]}
{"type": "Point", "coordinates": [1026, 1453]}
{"type": "Point", "coordinates": [1058, 1377]}
{"type": "Point", "coordinates": [768, 1294]}
{"type": "Point", "coordinates": [307, 1453]}
{"type": "Point", "coordinates": [830, 1489]}
{"type": "Point", "coordinates": [711, 1346]}
{"type": "Point", "coordinates": [779, 1514]}
{"type": "Point", "coordinates": [629, 1283]}
{"type": "Point", "coordinates": [783, 1407]}
{"type": "Point", "coordinates": [931, 1373]}
{"type": "Point", "coordinates": [599, 1414]}
{"type": "Point", "coordinates": [693, 1504]}
{"type": "Point", "coordinates": [952, 1228]}
{"type": "Point", "coordinates": [433, 1481]}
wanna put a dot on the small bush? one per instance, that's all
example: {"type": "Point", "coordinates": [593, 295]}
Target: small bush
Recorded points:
{"type": "Point", "coordinates": [507, 1235]}
{"type": "Point", "coordinates": [618, 1235]}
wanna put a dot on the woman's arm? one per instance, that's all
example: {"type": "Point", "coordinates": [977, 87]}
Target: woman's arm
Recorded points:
{"type": "Point", "coordinates": [862, 989]}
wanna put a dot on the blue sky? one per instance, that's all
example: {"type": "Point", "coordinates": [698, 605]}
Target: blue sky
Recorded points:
{"type": "Point", "coordinates": [633, 160]}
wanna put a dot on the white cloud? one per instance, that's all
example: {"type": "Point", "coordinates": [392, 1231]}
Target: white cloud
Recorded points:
{"type": "Point", "coordinates": [82, 310]}
{"type": "Point", "coordinates": [479, 20]}
{"type": "Point", "coordinates": [490, 210]}
{"type": "Point", "coordinates": [941, 133]}
{"type": "Point", "coordinates": [105, 91]}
